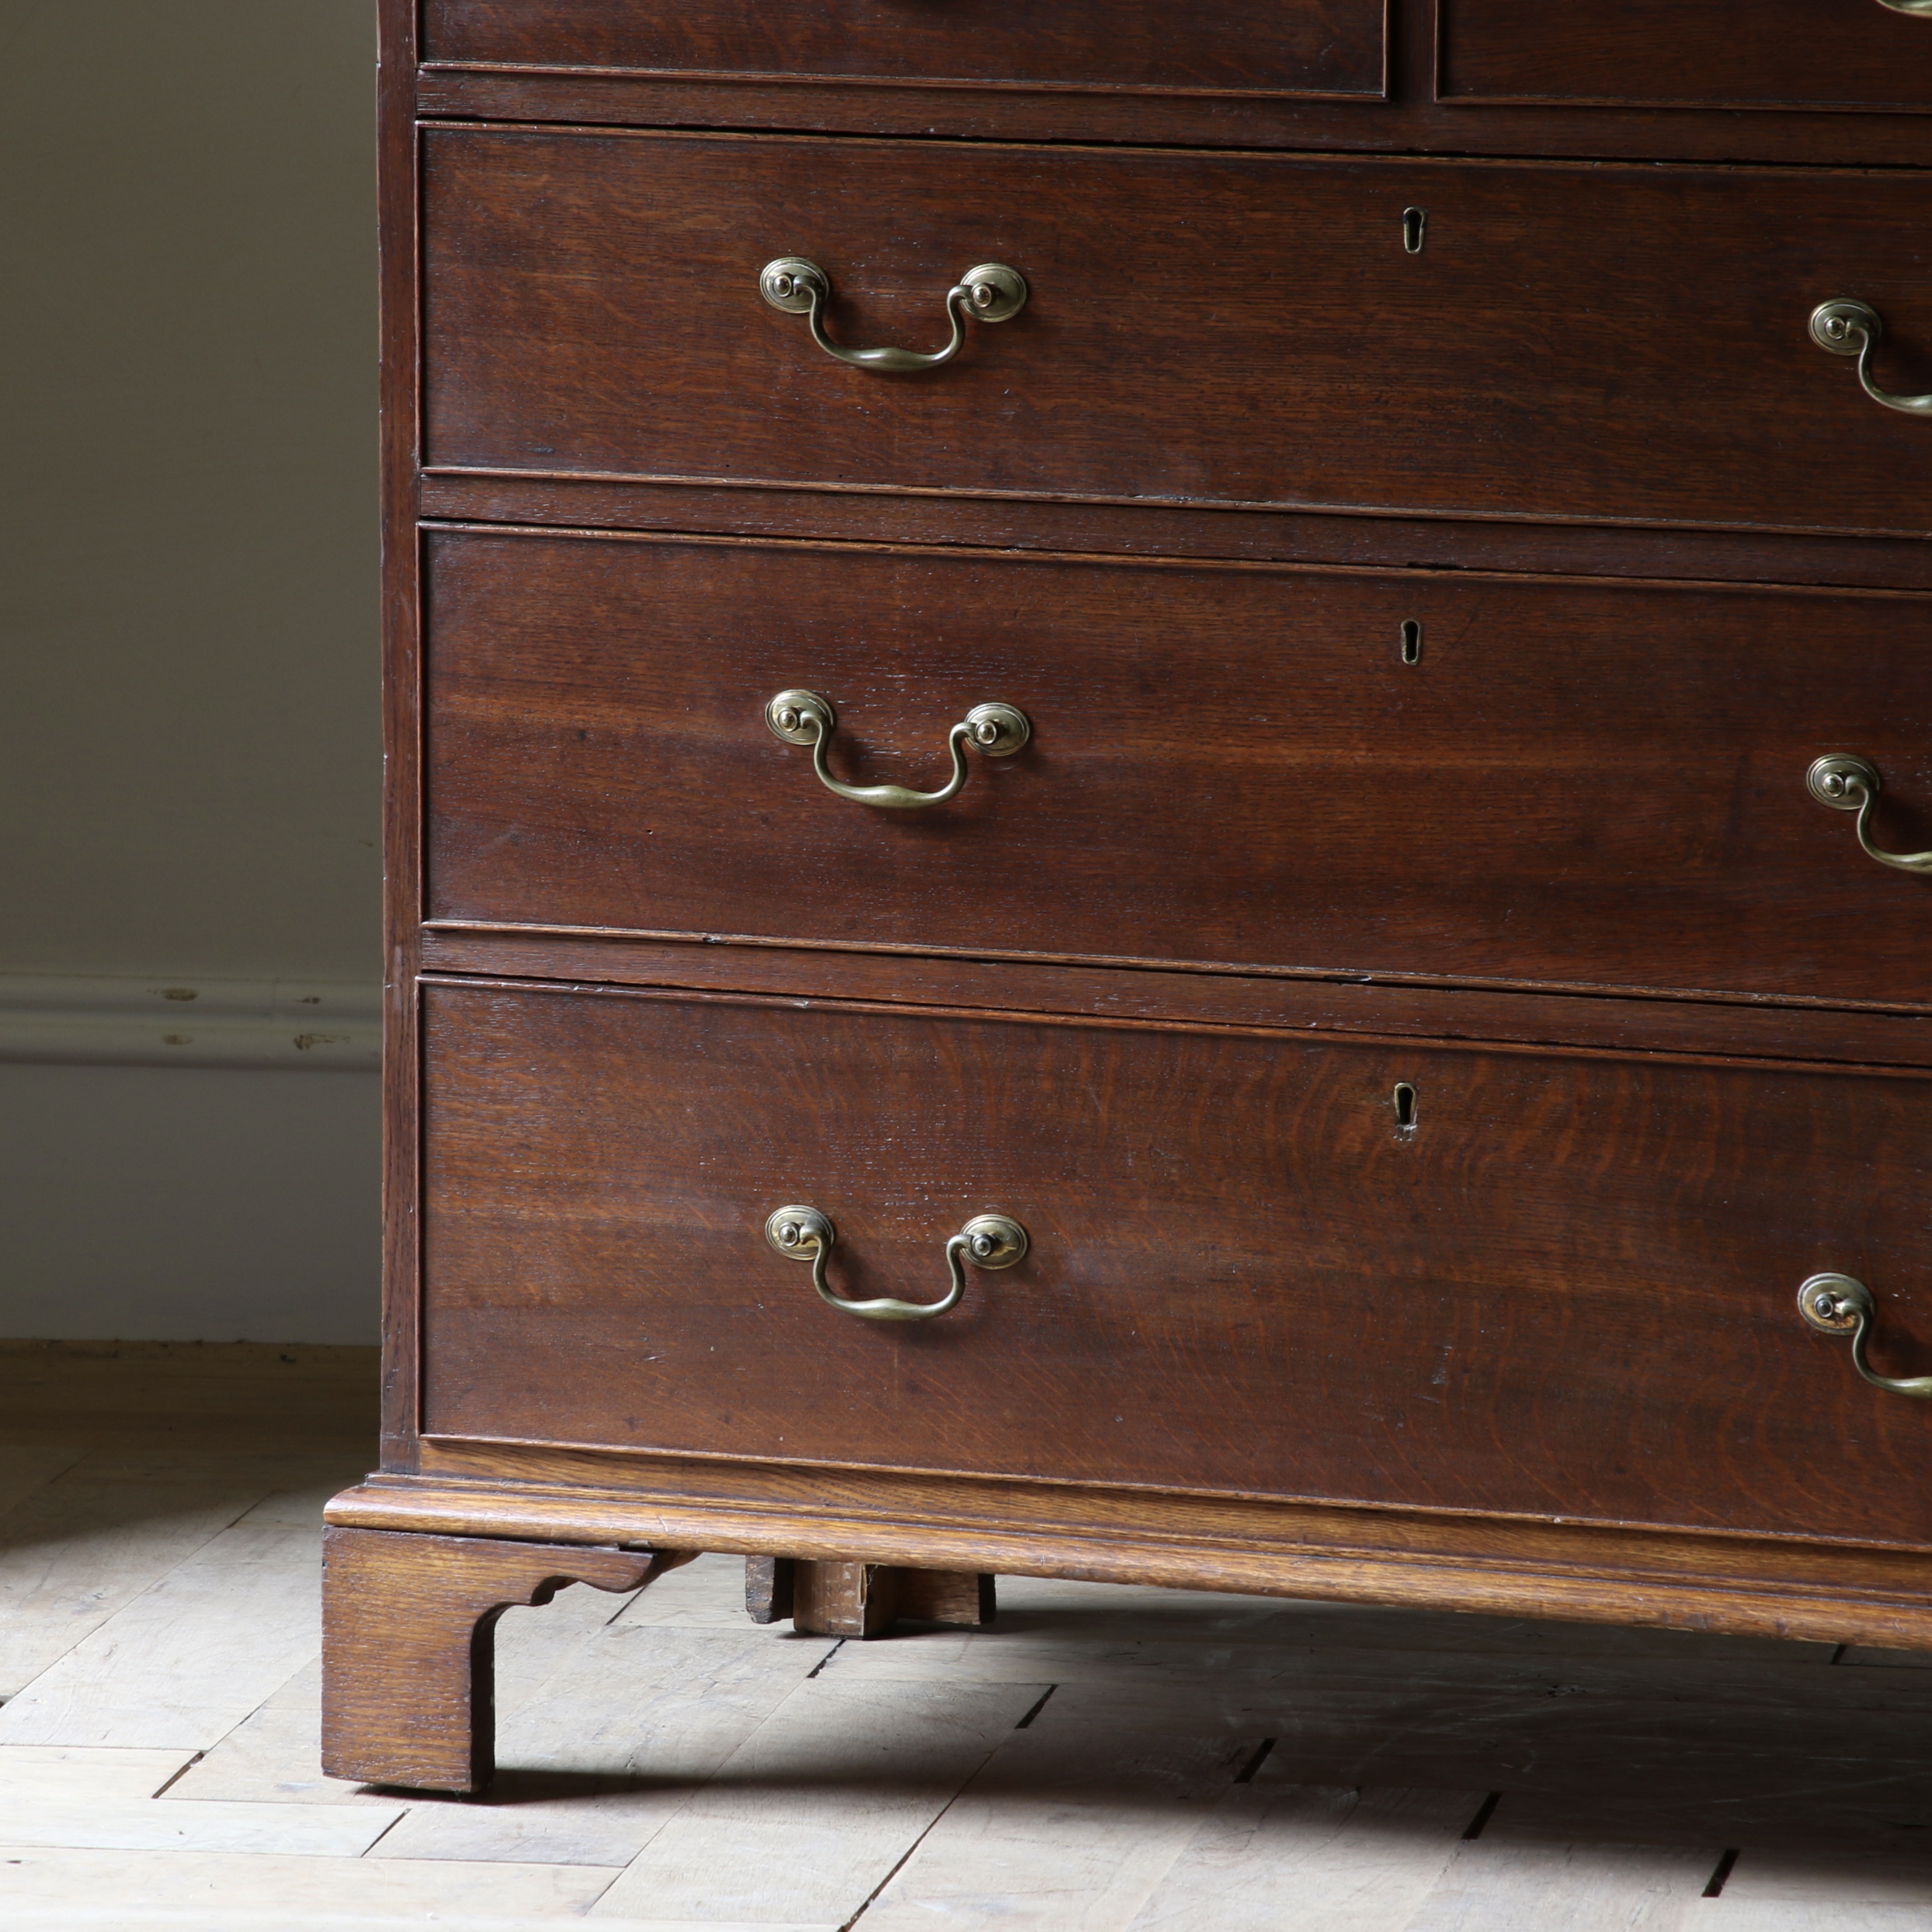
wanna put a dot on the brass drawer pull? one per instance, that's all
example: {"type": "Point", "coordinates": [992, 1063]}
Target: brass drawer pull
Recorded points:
{"type": "Point", "coordinates": [990, 292]}
{"type": "Point", "coordinates": [1835, 1304]}
{"type": "Point", "coordinates": [1922, 7]}
{"type": "Point", "coordinates": [987, 1240]}
{"type": "Point", "coordinates": [804, 718]}
{"type": "Point", "coordinates": [1847, 327]}
{"type": "Point", "coordinates": [1846, 784]}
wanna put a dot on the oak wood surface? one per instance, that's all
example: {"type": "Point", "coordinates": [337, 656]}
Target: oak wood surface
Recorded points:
{"type": "Point", "coordinates": [1247, 47]}
{"type": "Point", "coordinates": [1712, 1029]}
{"type": "Point", "coordinates": [1565, 1289]}
{"type": "Point", "coordinates": [1781, 1589]}
{"type": "Point", "coordinates": [1582, 784]}
{"type": "Point", "coordinates": [1738, 53]}
{"type": "Point", "coordinates": [408, 1624]}
{"type": "Point", "coordinates": [1202, 329]}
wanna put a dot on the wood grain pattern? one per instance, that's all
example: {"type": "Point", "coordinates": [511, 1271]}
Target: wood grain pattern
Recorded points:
{"type": "Point", "coordinates": [1704, 1029]}
{"type": "Point", "coordinates": [1247, 1276]}
{"type": "Point", "coordinates": [1410, 122]}
{"type": "Point", "coordinates": [1777, 1589]}
{"type": "Point", "coordinates": [409, 1645]}
{"type": "Point", "coordinates": [865, 1600]}
{"type": "Point", "coordinates": [1575, 784]}
{"type": "Point", "coordinates": [1742, 53]}
{"type": "Point", "coordinates": [837, 515]}
{"type": "Point", "coordinates": [1565, 347]}
{"type": "Point", "coordinates": [1249, 47]}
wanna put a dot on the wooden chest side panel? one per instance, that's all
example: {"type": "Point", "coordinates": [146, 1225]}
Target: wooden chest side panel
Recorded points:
{"type": "Point", "coordinates": [1570, 1291]}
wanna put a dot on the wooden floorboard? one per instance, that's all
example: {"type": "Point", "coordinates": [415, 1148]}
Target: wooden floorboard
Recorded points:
{"type": "Point", "coordinates": [1101, 1760]}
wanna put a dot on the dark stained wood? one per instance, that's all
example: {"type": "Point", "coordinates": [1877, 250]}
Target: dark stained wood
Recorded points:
{"type": "Point", "coordinates": [863, 1599]}
{"type": "Point", "coordinates": [1752, 1587]}
{"type": "Point", "coordinates": [409, 1638]}
{"type": "Point", "coordinates": [1707, 1029]}
{"type": "Point", "coordinates": [1242, 47]}
{"type": "Point", "coordinates": [1414, 123]}
{"type": "Point", "coordinates": [1728, 53]}
{"type": "Point", "coordinates": [770, 1588]}
{"type": "Point", "coordinates": [1203, 329]}
{"type": "Point", "coordinates": [1567, 1290]}
{"type": "Point", "coordinates": [1581, 784]}
{"type": "Point", "coordinates": [1253, 536]}
{"type": "Point", "coordinates": [402, 881]}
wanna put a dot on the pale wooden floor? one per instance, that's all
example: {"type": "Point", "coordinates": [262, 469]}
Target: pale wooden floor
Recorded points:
{"type": "Point", "coordinates": [1106, 1758]}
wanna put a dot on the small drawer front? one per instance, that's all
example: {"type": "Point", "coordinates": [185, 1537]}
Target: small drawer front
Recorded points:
{"type": "Point", "coordinates": [1253, 47]}
{"type": "Point", "coordinates": [1873, 55]}
{"type": "Point", "coordinates": [1536, 1286]}
{"type": "Point", "coordinates": [1601, 343]}
{"type": "Point", "coordinates": [1574, 783]}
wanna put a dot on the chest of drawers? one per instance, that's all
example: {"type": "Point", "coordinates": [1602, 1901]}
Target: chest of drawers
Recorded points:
{"type": "Point", "coordinates": [1155, 785]}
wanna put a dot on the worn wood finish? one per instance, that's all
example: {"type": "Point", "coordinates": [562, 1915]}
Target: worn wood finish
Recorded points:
{"type": "Point", "coordinates": [1707, 1029]}
{"type": "Point", "coordinates": [1247, 1275]}
{"type": "Point", "coordinates": [1741, 53]}
{"type": "Point", "coordinates": [837, 515]}
{"type": "Point", "coordinates": [1099, 46]}
{"type": "Point", "coordinates": [1410, 122]}
{"type": "Point", "coordinates": [1562, 327]}
{"type": "Point", "coordinates": [409, 1625]}
{"type": "Point", "coordinates": [863, 1599]}
{"type": "Point", "coordinates": [1784, 1589]}
{"type": "Point", "coordinates": [1576, 784]}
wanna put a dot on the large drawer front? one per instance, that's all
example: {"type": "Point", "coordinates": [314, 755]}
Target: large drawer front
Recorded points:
{"type": "Point", "coordinates": [1578, 783]}
{"type": "Point", "coordinates": [1568, 1288]}
{"type": "Point", "coordinates": [1245, 47]}
{"type": "Point", "coordinates": [1619, 343]}
{"type": "Point", "coordinates": [1858, 54]}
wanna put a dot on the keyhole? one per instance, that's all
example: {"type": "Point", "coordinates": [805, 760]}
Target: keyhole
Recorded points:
{"type": "Point", "coordinates": [1404, 1098]}
{"type": "Point", "coordinates": [1411, 641]}
{"type": "Point", "coordinates": [1415, 222]}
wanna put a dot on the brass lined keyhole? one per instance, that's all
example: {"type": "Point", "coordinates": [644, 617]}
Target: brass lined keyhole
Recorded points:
{"type": "Point", "coordinates": [1414, 226]}
{"type": "Point", "coordinates": [1403, 1101]}
{"type": "Point", "coordinates": [1411, 641]}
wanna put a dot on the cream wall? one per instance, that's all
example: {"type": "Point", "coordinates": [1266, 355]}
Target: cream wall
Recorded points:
{"type": "Point", "coordinates": [189, 756]}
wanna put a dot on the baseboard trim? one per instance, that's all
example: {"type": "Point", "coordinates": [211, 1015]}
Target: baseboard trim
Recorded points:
{"type": "Point", "coordinates": [94, 1020]}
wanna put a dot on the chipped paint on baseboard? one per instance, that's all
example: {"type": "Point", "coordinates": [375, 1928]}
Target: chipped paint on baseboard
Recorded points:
{"type": "Point", "coordinates": [182, 1020]}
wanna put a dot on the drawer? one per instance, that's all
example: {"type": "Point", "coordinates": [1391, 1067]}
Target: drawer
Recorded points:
{"type": "Point", "coordinates": [1573, 783]}
{"type": "Point", "coordinates": [1869, 54]}
{"type": "Point", "coordinates": [1564, 1288]}
{"type": "Point", "coordinates": [1601, 342]}
{"type": "Point", "coordinates": [1249, 47]}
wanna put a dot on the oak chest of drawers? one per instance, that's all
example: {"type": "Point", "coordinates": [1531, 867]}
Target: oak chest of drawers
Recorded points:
{"type": "Point", "coordinates": [1155, 781]}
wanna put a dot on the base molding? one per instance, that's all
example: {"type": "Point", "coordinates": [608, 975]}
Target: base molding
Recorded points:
{"type": "Point", "coordinates": [1741, 1585]}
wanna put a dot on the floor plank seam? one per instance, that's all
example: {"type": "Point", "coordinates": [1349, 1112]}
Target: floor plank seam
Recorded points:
{"type": "Point", "coordinates": [176, 1777]}
{"type": "Point", "coordinates": [1039, 1706]}
{"type": "Point", "coordinates": [1484, 1812]}
{"type": "Point", "coordinates": [1246, 1775]}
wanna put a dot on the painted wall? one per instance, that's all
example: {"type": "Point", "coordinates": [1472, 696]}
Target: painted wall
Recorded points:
{"type": "Point", "coordinates": [189, 753]}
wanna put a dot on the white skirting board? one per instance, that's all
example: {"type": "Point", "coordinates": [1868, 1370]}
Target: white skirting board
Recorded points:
{"type": "Point", "coordinates": [90, 1020]}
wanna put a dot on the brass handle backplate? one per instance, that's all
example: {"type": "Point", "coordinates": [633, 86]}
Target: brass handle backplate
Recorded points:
{"type": "Point", "coordinates": [1835, 1304]}
{"type": "Point", "coordinates": [1848, 328]}
{"type": "Point", "coordinates": [990, 292]}
{"type": "Point", "coordinates": [804, 718]}
{"type": "Point", "coordinates": [987, 1240]}
{"type": "Point", "coordinates": [1920, 7]}
{"type": "Point", "coordinates": [1847, 783]}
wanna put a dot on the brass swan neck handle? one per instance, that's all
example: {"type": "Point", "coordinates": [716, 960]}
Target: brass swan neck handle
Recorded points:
{"type": "Point", "coordinates": [990, 292]}
{"type": "Point", "coordinates": [987, 1241]}
{"type": "Point", "coordinates": [1847, 783]}
{"type": "Point", "coordinates": [1844, 327]}
{"type": "Point", "coordinates": [804, 718]}
{"type": "Point", "coordinates": [1921, 7]}
{"type": "Point", "coordinates": [1836, 1304]}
